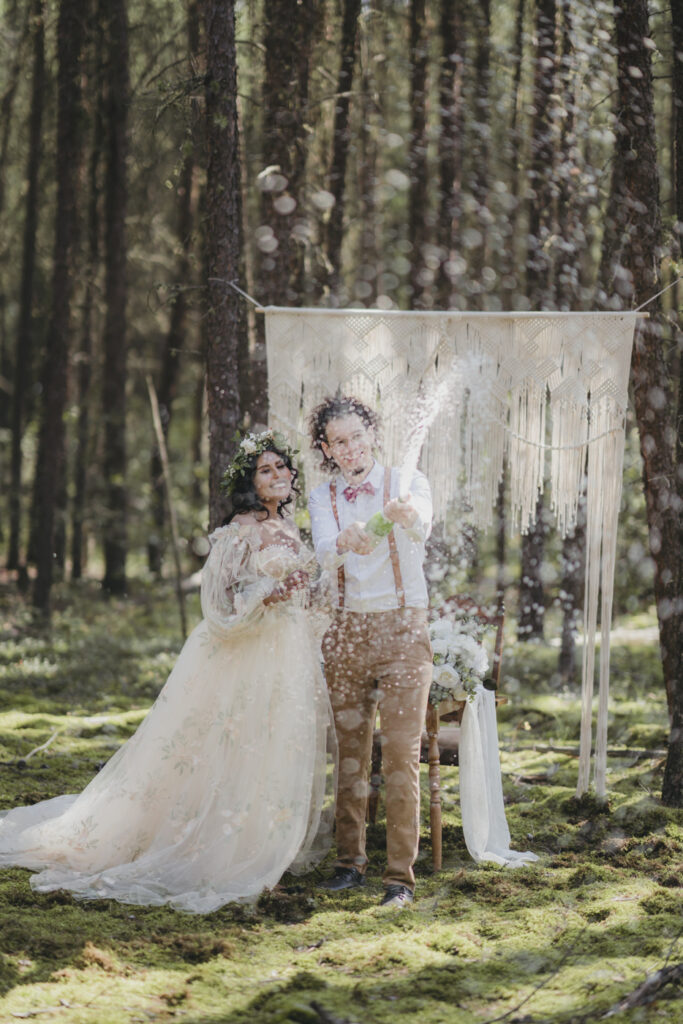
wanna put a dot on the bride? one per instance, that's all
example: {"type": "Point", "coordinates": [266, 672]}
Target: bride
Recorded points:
{"type": "Point", "coordinates": [221, 788]}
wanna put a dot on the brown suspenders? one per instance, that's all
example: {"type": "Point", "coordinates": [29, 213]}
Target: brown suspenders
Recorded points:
{"type": "Point", "coordinates": [393, 550]}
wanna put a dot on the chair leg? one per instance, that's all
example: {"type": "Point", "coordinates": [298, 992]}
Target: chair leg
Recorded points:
{"type": "Point", "coordinates": [434, 785]}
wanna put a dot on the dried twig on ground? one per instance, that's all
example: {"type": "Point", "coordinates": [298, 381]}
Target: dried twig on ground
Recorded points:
{"type": "Point", "coordinates": [648, 991]}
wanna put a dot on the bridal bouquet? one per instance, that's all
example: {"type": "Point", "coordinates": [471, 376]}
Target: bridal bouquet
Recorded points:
{"type": "Point", "coordinates": [460, 660]}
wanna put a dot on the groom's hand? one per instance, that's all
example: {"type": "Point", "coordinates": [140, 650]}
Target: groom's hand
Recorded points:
{"type": "Point", "coordinates": [354, 538]}
{"type": "Point", "coordinates": [401, 512]}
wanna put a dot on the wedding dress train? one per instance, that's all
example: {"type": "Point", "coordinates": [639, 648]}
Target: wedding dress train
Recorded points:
{"type": "Point", "coordinates": [221, 789]}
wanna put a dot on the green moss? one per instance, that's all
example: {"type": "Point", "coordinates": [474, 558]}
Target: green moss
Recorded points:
{"type": "Point", "coordinates": [587, 923]}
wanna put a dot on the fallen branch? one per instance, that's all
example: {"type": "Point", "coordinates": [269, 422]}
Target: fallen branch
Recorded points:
{"type": "Point", "coordinates": [553, 974]}
{"type": "Point", "coordinates": [36, 750]}
{"type": "Point", "coordinates": [648, 991]}
{"type": "Point", "coordinates": [574, 751]}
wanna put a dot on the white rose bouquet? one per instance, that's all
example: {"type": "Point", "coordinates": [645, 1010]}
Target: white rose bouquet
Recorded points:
{"type": "Point", "coordinates": [460, 659]}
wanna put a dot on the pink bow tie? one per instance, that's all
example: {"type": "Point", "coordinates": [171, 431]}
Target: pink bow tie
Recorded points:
{"type": "Point", "coordinates": [351, 493]}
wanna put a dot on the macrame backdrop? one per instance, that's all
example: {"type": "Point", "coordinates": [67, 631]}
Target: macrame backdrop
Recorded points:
{"type": "Point", "coordinates": [547, 390]}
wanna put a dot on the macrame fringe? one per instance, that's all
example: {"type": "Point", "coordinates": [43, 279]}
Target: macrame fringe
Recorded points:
{"type": "Point", "coordinates": [470, 391]}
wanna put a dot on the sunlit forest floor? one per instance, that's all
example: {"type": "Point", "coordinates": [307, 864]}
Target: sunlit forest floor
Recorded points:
{"type": "Point", "coordinates": [564, 940]}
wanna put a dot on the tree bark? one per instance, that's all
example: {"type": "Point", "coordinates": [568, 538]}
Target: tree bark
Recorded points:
{"type": "Point", "coordinates": [418, 232]}
{"type": "Point", "coordinates": [509, 262]}
{"type": "Point", "coordinates": [288, 37]}
{"type": "Point", "coordinates": [540, 179]}
{"type": "Point", "coordinates": [24, 347]}
{"type": "Point", "coordinates": [450, 152]}
{"type": "Point", "coordinates": [340, 142]}
{"type": "Point", "coordinates": [51, 443]}
{"type": "Point", "coordinates": [115, 343]}
{"type": "Point", "coordinates": [173, 344]}
{"type": "Point", "coordinates": [538, 281]}
{"type": "Point", "coordinates": [531, 591]}
{"type": "Point", "coordinates": [640, 236]}
{"type": "Point", "coordinates": [84, 359]}
{"type": "Point", "coordinates": [677, 60]}
{"type": "Point", "coordinates": [479, 186]}
{"type": "Point", "coordinates": [226, 327]}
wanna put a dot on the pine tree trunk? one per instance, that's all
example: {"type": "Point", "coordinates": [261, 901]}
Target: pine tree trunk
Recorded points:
{"type": "Point", "coordinates": [509, 260]}
{"type": "Point", "coordinates": [640, 236]}
{"type": "Point", "coordinates": [538, 282]}
{"type": "Point", "coordinates": [538, 269]}
{"type": "Point", "coordinates": [115, 342]}
{"type": "Point", "coordinates": [341, 139]}
{"type": "Point", "coordinates": [531, 591]}
{"type": "Point", "coordinates": [288, 38]}
{"type": "Point", "coordinates": [418, 235]}
{"type": "Point", "coordinates": [672, 789]}
{"type": "Point", "coordinates": [573, 564]}
{"type": "Point", "coordinates": [24, 347]}
{"type": "Point", "coordinates": [479, 185]}
{"type": "Point", "coordinates": [450, 152]}
{"type": "Point", "coordinates": [226, 327]}
{"type": "Point", "coordinates": [84, 361]}
{"type": "Point", "coordinates": [49, 480]}
{"type": "Point", "coordinates": [173, 344]}
{"type": "Point", "coordinates": [370, 255]}
{"type": "Point", "coordinates": [677, 33]}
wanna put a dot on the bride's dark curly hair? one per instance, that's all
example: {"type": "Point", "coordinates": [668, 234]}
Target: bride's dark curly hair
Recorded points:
{"type": "Point", "coordinates": [243, 496]}
{"type": "Point", "coordinates": [334, 408]}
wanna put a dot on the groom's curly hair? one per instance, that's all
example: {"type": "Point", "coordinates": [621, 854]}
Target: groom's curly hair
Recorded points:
{"type": "Point", "coordinates": [334, 408]}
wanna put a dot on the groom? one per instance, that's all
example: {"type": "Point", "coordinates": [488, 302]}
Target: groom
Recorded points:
{"type": "Point", "coordinates": [377, 649]}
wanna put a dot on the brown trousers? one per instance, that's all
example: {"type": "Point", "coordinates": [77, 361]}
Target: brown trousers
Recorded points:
{"type": "Point", "coordinates": [385, 659]}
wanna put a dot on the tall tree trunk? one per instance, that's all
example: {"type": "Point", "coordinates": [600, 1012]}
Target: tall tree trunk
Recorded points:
{"type": "Point", "coordinates": [22, 361]}
{"type": "Point", "coordinates": [369, 242]}
{"type": "Point", "coordinates": [226, 327]}
{"type": "Point", "coordinates": [531, 592]}
{"type": "Point", "coordinates": [640, 229]}
{"type": "Point", "coordinates": [51, 443]}
{"type": "Point", "coordinates": [479, 184]}
{"type": "Point", "coordinates": [538, 281]}
{"type": "Point", "coordinates": [418, 235]}
{"type": "Point", "coordinates": [288, 38]}
{"type": "Point", "coordinates": [677, 33]}
{"type": "Point", "coordinates": [509, 262]}
{"type": "Point", "coordinates": [573, 564]}
{"type": "Point", "coordinates": [84, 359]}
{"type": "Point", "coordinates": [115, 344]}
{"type": "Point", "coordinates": [173, 344]}
{"type": "Point", "coordinates": [673, 776]}
{"type": "Point", "coordinates": [450, 151]}
{"type": "Point", "coordinates": [16, 38]}
{"type": "Point", "coordinates": [340, 142]}
{"type": "Point", "coordinates": [541, 169]}
{"type": "Point", "coordinates": [570, 239]}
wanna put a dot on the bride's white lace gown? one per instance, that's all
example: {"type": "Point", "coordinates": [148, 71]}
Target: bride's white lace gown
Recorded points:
{"type": "Point", "coordinates": [221, 788]}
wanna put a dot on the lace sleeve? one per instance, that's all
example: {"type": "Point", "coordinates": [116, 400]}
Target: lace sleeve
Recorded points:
{"type": "Point", "coordinates": [232, 591]}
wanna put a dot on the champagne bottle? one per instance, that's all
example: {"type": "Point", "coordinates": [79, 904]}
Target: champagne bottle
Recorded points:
{"type": "Point", "coordinates": [378, 526]}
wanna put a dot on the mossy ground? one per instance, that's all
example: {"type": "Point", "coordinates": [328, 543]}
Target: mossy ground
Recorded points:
{"type": "Point", "coordinates": [571, 935]}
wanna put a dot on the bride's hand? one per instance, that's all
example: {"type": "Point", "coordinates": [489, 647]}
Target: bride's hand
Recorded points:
{"type": "Point", "coordinates": [297, 580]}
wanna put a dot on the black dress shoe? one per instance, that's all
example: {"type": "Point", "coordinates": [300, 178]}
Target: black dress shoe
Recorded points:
{"type": "Point", "coordinates": [396, 895]}
{"type": "Point", "coordinates": [343, 878]}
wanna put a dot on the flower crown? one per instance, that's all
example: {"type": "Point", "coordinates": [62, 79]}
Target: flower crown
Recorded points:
{"type": "Point", "coordinates": [250, 445]}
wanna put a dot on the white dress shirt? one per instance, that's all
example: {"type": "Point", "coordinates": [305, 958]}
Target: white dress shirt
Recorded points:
{"type": "Point", "coordinates": [369, 579]}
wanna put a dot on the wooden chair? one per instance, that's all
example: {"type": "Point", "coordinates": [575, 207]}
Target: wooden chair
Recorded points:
{"type": "Point", "coordinates": [441, 746]}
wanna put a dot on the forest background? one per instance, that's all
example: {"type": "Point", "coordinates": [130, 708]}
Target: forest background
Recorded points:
{"type": "Point", "coordinates": [523, 154]}
{"type": "Point", "coordinates": [515, 155]}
